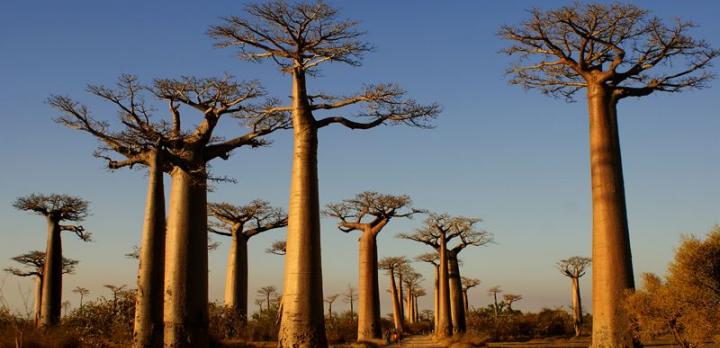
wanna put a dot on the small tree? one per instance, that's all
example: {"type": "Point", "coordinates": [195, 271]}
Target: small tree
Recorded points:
{"type": "Point", "coordinates": [614, 52]}
{"type": "Point", "coordinates": [369, 213]}
{"type": "Point", "coordinates": [299, 37]}
{"type": "Point", "coordinates": [509, 299]}
{"type": "Point", "coordinates": [330, 300]}
{"type": "Point", "coordinates": [35, 261]}
{"type": "Point", "coordinates": [494, 291]}
{"type": "Point", "coordinates": [55, 208]}
{"type": "Point", "coordinates": [82, 292]}
{"type": "Point", "coordinates": [116, 290]}
{"type": "Point", "coordinates": [278, 247]}
{"type": "Point", "coordinates": [574, 268]}
{"type": "Point", "coordinates": [350, 296]}
{"type": "Point", "coordinates": [242, 223]}
{"type": "Point", "coordinates": [433, 258]}
{"type": "Point", "coordinates": [467, 284]}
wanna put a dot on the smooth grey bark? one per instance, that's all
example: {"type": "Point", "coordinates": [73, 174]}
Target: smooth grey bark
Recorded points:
{"type": "Point", "coordinates": [148, 326]}
{"type": "Point", "coordinates": [302, 323]}
{"type": "Point", "coordinates": [612, 259]}
{"type": "Point", "coordinates": [369, 292]}
{"type": "Point", "coordinates": [51, 302]}
{"type": "Point", "coordinates": [186, 262]}
{"type": "Point", "coordinates": [457, 308]}
{"type": "Point", "coordinates": [236, 279]}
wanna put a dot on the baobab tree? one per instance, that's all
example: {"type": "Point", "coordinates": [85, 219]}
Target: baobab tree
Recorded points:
{"type": "Point", "coordinates": [82, 292]}
{"type": "Point", "coordinates": [56, 208]}
{"type": "Point", "coordinates": [330, 299]}
{"type": "Point", "coordinates": [467, 284]}
{"type": "Point", "coordinates": [433, 258]}
{"type": "Point", "coordinates": [494, 291]}
{"type": "Point", "coordinates": [278, 247]}
{"type": "Point", "coordinates": [412, 280]}
{"type": "Point", "coordinates": [35, 263]}
{"type": "Point", "coordinates": [438, 231]}
{"type": "Point", "coordinates": [574, 268]}
{"type": "Point", "coordinates": [116, 290]}
{"type": "Point", "coordinates": [509, 299]}
{"type": "Point", "coordinates": [391, 265]}
{"type": "Point", "coordinates": [417, 293]}
{"type": "Point", "coordinates": [614, 52]}
{"type": "Point", "coordinates": [299, 38]}
{"type": "Point", "coordinates": [242, 223]}
{"type": "Point", "coordinates": [369, 213]}
{"type": "Point", "coordinates": [266, 293]}
{"type": "Point", "coordinates": [349, 297]}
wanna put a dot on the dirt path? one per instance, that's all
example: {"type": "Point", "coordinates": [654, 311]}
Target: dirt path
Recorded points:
{"type": "Point", "coordinates": [417, 341]}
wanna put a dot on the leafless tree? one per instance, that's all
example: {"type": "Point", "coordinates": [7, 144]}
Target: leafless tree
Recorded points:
{"type": "Point", "coordinates": [266, 292]}
{"type": "Point", "coordinates": [278, 247]}
{"type": "Point", "coordinates": [509, 299]}
{"type": "Point", "coordinates": [494, 291]}
{"type": "Point", "coordinates": [467, 284]}
{"type": "Point", "coordinates": [35, 263]}
{"type": "Point", "coordinates": [242, 223]}
{"type": "Point", "coordinates": [299, 38]}
{"type": "Point", "coordinates": [411, 280]}
{"type": "Point", "coordinates": [330, 299]}
{"type": "Point", "coordinates": [259, 302]}
{"type": "Point", "coordinates": [613, 51]}
{"type": "Point", "coordinates": [56, 208]}
{"type": "Point", "coordinates": [417, 293]}
{"type": "Point", "coordinates": [82, 292]}
{"type": "Point", "coordinates": [116, 290]}
{"type": "Point", "coordinates": [574, 268]}
{"type": "Point", "coordinates": [350, 296]}
{"type": "Point", "coordinates": [165, 146]}
{"type": "Point", "coordinates": [434, 259]}
{"type": "Point", "coordinates": [65, 306]}
{"type": "Point", "coordinates": [392, 265]}
{"type": "Point", "coordinates": [369, 213]}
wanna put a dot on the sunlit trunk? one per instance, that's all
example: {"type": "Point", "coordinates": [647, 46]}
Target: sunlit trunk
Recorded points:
{"type": "Point", "coordinates": [186, 263]}
{"type": "Point", "coordinates": [397, 319]}
{"type": "Point", "coordinates": [436, 300]}
{"type": "Point", "coordinates": [236, 279]}
{"type": "Point", "coordinates": [416, 313]}
{"type": "Point", "coordinates": [368, 289]}
{"type": "Point", "coordinates": [302, 323]}
{"type": "Point", "coordinates": [38, 299]}
{"type": "Point", "coordinates": [408, 305]}
{"type": "Point", "coordinates": [148, 328]}
{"type": "Point", "coordinates": [612, 271]}
{"type": "Point", "coordinates": [577, 306]}
{"type": "Point", "coordinates": [457, 308]}
{"type": "Point", "coordinates": [52, 276]}
{"type": "Point", "coordinates": [465, 302]}
{"type": "Point", "coordinates": [444, 320]}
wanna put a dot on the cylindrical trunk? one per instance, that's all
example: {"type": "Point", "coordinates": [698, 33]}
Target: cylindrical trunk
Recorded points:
{"type": "Point", "coordinates": [444, 320]}
{"type": "Point", "coordinates": [465, 301]}
{"type": "Point", "coordinates": [457, 308]}
{"type": "Point", "coordinates": [148, 328]}
{"type": "Point", "coordinates": [612, 271]}
{"type": "Point", "coordinates": [186, 263]}
{"type": "Point", "coordinates": [415, 309]}
{"type": "Point", "coordinates": [236, 279]}
{"type": "Point", "coordinates": [368, 289]}
{"type": "Point", "coordinates": [400, 295]}
{"type": "Point", "coordinates": [397, 319]}
{"type": "Point", "coordinates": [38, 298]}
{"type": "Point", "coordinates": [436, 299]}
{"type": "Point", "coordinates": [408, 306]}
{"type": "Point", "coordinates": [50, 304]}
{"type": "Point", "coordinates": [302, 323]}
{"type": "Point", "coordinates": [577, 306]}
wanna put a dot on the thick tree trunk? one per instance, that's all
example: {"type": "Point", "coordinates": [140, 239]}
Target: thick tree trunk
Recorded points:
{"type": "Point", "coordinates": [400, 295]}
{"type": "Point", "coordinates": [186, 263]}
{"type": "Point", "coordinates": [408, 306]}
{"type": "Point", "coordinates": [445, 328]}
{"type": "Point", "coordinates": [302, 323]}
{"type": "Point", "coordinates": [368, 288]}
{"type": "Point", "coordinates": [577, 306]}
{"type": "Point", "coordinates": [612, 260]}
{"type": "Point", "coordinates": [397, 319]}
{"type": "Point", "coordinates": [436, 300]}
{"type": "Point", "coordinates": [52, 276]}
{"type": "Point", "coordinates": [148, 330]}
{"type": "Point", "coordinates": [465, 301]}
{"type": "Point", "coordinates": [236, 279]}
{"type": "Point", "coordinates": [38, 299]}
{"type": "Point", "coordinates": [416, 313]}
{"type": "Point", "coordinates": [457, 308]}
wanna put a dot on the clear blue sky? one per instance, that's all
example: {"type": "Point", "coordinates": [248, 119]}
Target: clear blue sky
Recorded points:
{"type": "Point", "coordinates": [517, 159]}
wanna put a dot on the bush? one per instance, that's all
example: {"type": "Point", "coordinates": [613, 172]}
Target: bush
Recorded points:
{"type": "Point", "coordinates": [104, 321]}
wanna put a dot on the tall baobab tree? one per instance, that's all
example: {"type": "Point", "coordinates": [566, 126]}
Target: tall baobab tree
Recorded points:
{"type": "Point", "coordinates": [412, 280]}
{"type": "Point", "coordinates": [278, 247]}
{"type": "Point", "coordinates": [509, 299]}
{"type": "Point", "coordinates": [574, 268]}
{"type": "Point", "coordinates": [56, 208]}
{"type": "Point", "coordinates": [330, 299]}
{"type": "Point", "coordinates": [164, 146]}
{"type": "Point", "coordinates": [82, 292]}
{"type": "Point", "coordinates": [468, 235]}
{"type": "Point", "coordinates": [35, 261]}
{"type": "Point", "coordinates": [438, 231]}
{"type": "Point", "coordinates": [392, 265]}
{"type": "Point", "coordinates": [614, 52]}
{"type": "Point", "coordinates": [433, 258]}
{"type": "Point", "coordinates": [467, 284]}
{"type": "Point", "coordinates": [494, 291]}
{"type": "Point", "coordinates": [299, 38]}
{"type": "Point", "coordinates": [350, 296]}
{"type": "Point", "coordinates": [369, 213]}
{"type": "Point", "coordinates": [266, 292]}
{"type": "Point", "coordinates": [419, 292]}
{"type": "Point", "coordinates": [242, 223]}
